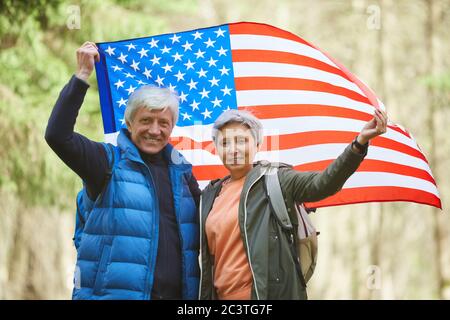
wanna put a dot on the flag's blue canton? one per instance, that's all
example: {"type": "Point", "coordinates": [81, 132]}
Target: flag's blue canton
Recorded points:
{"type": "Point", "coordinates": [196, 64]}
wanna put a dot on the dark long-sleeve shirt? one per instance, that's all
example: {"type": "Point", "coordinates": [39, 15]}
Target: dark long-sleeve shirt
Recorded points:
{"type": "Point", "coordinates": [88, 160]}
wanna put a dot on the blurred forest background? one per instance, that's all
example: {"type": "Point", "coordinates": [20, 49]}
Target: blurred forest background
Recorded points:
{"type": "Point", "coordinates": [401, 49]}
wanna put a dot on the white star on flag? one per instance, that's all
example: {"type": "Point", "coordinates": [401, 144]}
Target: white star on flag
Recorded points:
{"type": "Point", "coordinates": [131, 89]}
{"type": "Point", "coordinates": [216, 102]}
{"type": "Point", "coordinates": [204, 93]}
{"type": "Point", "coordinates": [155, 60]}
{"type": "Point", "coordinates": [220, 33]}
{"type": "Point", "coordinates": [199, 54]}
{"type": "Point", "coordinates": [226, 91]}
{"type": "Point", "coordinates": [123, 57]}
{"type": "Point", "coordinates": [179, 76]}
{"type": "Point", "coordinates": [206, 113]}
{"type": "Point", "coordinates": [159, 81]}
{"type": "Point", "coordinates": [186, 116]}
{"type": "Point", "coordinates": [194, 105]}
{"type": "Point", "coordinates": [153, 43]}
{"type": "Point", "coordinates": [135, 65]}
{"type": "Point", "coordinates": [187, 46]}
{"type": "Point", "coordinates": [143, 52]}
{"type": "Point", "coordinates": [197, 35]}
{"type": "Point", "coordinates": [202, 73]}
{"type": "Point", "coordinates": [209, 43]}
{"type": "Point", "coordinates": [222, 51]}
{"type": "Point", "coordinates": [211, 62]}
{"type": "Point", "coordinates": [167, 68]}
{"type": "Point", "coordinates": [131, 46]}
{"type": "Point", "coordinates": [214, 81]}
{"type": "Point", "coordinates": [177, 57]}
{"type": "Point", "coordinates": [122, 102]}
{"type": "Point", "coordinates": [147, 72]}
{"type": "Point", "coordinates": [165, 50]}
{"type": "Point", "coordinates": [189, 65]}
{"type": "Point", "coordinates": [224, 71]}
{"type": "Point", "coordinates": [192, 85]}
{"type": "Point", "coordinates": [110, 50]}
{"type": "Point", "coordinates": [183, 97]}
{"type": "Point", "coordinates": [175, 38]}
{"type": "Point", "coordinates": [119, 84]}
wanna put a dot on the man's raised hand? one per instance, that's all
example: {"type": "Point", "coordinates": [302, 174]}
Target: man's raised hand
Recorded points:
{"type": "Point", "coordinates": [87, 54]}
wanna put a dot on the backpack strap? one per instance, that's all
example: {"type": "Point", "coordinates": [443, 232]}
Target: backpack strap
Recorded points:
{"type": "Point", "coordinates": [112, 155]}
{"type": "Point", "coordinates": [193, 187]}
{"type": "Point", "coordinates": [276, 198]}
{"type": "Point", "coordinates": [84, 203]}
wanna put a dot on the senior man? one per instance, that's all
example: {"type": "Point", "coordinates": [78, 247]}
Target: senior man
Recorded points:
{"type": "Point", "coordinates": [140, 235]}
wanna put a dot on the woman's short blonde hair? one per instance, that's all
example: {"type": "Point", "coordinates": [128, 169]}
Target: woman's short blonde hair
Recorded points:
{"type": "Point", "coordinates": [238, 116]}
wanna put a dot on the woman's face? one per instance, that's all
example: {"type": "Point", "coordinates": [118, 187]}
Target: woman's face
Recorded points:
{"type": "Point", "coordinates": [236, 147]}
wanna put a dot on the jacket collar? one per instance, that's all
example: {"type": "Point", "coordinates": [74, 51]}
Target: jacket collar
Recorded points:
{"type": "Point", "coordinates": [173, 157]}
{"type": "Point", "coordinates": [253, 174]}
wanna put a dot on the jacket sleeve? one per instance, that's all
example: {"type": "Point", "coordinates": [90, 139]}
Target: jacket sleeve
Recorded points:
{"type": "Point", "coordinates": [85, 157]}
{"type": "Point", "coordinates": [315, 186]}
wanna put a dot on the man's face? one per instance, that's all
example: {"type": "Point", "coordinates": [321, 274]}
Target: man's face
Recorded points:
{"type": "Point", "coordinates": [236, 147]}
{"type": "Point", "coordinates": [150, 129]}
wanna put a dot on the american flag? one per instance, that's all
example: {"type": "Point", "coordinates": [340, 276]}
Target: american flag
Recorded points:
{"type": "Point", "coordinates": [311, 106]}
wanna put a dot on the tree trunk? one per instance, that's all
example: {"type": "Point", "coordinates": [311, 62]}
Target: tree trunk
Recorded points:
{"type": "Point", "coordinates": [437, 230]}
{"type": "Point", "coordinates": [376, 239]}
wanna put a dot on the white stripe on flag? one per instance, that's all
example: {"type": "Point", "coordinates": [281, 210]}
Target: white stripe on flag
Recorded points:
{"type": "Point", "coordinates": [283, 70]}
{"type": "Point", "coordinates": [246, 98]}
{"type": "Point", "coordinates": [295, 125]}
{"type": "Point", "coordinates": [378, 179]}
{"type": "Point", "coordinates": [309, 154]}
{"type": "Point", "coordinates": [385, 179]}
{"type": "Point", "coordinates": [259, 42]}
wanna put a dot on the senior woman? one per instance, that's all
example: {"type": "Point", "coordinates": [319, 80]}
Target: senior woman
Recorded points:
{"type": "Point", "coordinates": [244, 252]}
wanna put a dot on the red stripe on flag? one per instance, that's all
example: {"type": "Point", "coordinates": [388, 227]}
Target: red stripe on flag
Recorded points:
{"type": "Point", "coordinates": [302, 139]}
{"type": "Point", "coordinates": [264, 30]}
{"type": "Point", "coordinates": [284, 57]}
{"type": "Point", "coordinates": [369, 165]}
{"type": "Point", "coordinates": [365, 89]}
{"type": "Point", "coordinates": [377, 194]}
{"type": "Point", "coordinates": [305, 110]}
{"type": "Point", "coordinates": [299, 110]}
{"type": "Point", "coordinates": [210, 172]}
{"type": "Point", "coordinates": [275, 83]}
{"type": "Point", "coordinates": [400, 130]}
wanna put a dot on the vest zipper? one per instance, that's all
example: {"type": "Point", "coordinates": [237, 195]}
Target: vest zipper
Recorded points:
{"type": "Point", "coordinates": [180, 236]}
{"type": "Point", "coordinates": [246, 236]}
{"type": "Point", "coordinates": [200, 257]}
{"type": "Point", "coordinates": [147, 293]}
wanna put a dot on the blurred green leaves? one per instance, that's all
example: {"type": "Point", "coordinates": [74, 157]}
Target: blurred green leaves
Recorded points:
{"type": "Point", "coordinates": [439, 82]}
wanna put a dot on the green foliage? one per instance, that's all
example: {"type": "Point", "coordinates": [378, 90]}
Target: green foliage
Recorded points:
{"type": "Point", "coordinates": [15, 13]}
{"type": "Point", "coordinates": [439, 82]}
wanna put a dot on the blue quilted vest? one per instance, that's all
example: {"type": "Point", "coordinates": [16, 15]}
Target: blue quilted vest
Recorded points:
{"type": "Point", "coordinates": [117, 244]}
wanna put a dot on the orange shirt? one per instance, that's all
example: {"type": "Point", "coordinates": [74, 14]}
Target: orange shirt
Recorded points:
{"type": "Point", "coordinates": [232, 274]}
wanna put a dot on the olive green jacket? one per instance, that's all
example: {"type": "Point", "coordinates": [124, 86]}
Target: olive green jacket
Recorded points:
{"type": "Point", "coordinates": [268, 247]}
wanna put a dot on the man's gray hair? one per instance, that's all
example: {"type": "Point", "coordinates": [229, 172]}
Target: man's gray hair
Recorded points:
{"type": "Point", "coordinates": [152, 98]}
{"type": "Point", "coordinates": [238, 116]}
